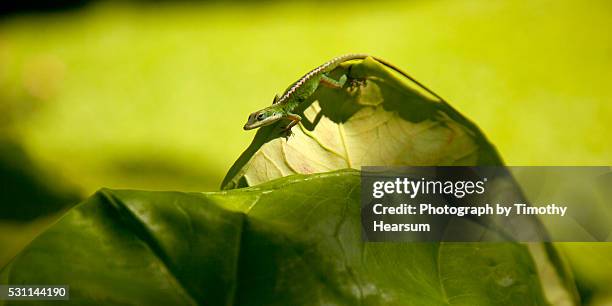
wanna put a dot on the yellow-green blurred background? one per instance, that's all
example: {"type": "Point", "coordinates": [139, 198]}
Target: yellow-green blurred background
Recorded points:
{"type": "Point", "coordinates": [153, 94]}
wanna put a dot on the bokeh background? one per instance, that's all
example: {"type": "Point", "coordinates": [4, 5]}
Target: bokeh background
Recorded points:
{"type": "Point", "coordinates": [153, 94]}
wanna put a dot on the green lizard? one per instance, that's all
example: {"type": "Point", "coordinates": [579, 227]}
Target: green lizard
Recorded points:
{"type": "Point", "coordinates": [303, 88]}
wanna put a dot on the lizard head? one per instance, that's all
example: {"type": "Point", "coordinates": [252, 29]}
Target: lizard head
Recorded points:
{"type": "Point", "coordinates": [263, 117]}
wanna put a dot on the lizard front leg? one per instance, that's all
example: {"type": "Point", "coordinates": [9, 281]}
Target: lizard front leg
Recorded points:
{"type": "Point", "coordinates": [295, 119]}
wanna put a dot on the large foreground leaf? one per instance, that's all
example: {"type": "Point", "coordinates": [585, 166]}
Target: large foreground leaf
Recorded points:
{"type": "Point", "coordinates": [292, 241]}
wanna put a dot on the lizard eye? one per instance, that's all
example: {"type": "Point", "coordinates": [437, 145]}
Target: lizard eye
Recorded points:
{"type": "Point", "coordinates": [261, 116]}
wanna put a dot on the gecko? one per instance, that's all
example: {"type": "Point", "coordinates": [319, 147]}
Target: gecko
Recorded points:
{"type": "Point", "coordinates": [283, 106]}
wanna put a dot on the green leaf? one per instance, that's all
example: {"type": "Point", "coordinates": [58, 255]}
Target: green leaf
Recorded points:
{"type": "Point", "coordinates": [383, 121]}
{"type": "Point", "coordinates": [386, 121]}
{"type": "Point", "coordinates": [292, 241]}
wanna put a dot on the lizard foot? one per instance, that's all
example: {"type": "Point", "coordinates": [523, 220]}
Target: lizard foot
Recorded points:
{"type": "Point", "coordinates": [355, 84]}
